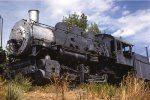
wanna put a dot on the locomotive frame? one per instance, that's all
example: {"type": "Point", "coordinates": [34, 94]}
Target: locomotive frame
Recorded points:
{"type": "Point", "coordinates": [45, 51]}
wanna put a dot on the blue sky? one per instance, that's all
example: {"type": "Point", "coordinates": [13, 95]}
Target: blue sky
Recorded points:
{"type": "Point", "coordinates": [128, 19]}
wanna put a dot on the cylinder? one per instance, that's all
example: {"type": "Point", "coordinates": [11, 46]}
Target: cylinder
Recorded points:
{"type": "Point", "coordinates": [34, 16]}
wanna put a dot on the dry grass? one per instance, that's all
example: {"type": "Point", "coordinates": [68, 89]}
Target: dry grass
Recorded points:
{"type": "Point", "coordinates": [14, 92]}
{"type": "Point", "coordinates": [131, 88]}
{"type": "Point", "coordinates": [56, 90]}
{"type": "Point", "coordinates": [2, 89]}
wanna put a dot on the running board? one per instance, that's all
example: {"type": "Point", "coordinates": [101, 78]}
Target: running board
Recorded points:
{"type": "Point", "coordinates": [98, 79]}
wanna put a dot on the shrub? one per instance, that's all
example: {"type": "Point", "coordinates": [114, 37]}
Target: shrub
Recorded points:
{"type": "Point", "coordinates": [13, 92]}
{"type": "Point", "coordinates": [16, 87]}
{"type": "Point", "coordinates": [24, 82]}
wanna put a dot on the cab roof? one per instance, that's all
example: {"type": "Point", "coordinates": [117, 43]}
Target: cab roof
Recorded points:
{"type": "Point", "coordinates": [115, 38]}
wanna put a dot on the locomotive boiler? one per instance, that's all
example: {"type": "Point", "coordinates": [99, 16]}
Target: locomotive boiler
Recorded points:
{"type": "Point", "coordinates": [45, 51]}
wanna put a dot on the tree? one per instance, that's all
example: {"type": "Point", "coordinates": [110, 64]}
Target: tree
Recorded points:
{"type": "Point", "coordinates": [83, 21]}
{"type": "Point", "coordinates": [80, 21]}
{"type": "Point", "coordinates": [93, 28]}
{"type": "Point", "coordinates": [76, 20]}
{"type": "Point", "coordinates": [2, 58]}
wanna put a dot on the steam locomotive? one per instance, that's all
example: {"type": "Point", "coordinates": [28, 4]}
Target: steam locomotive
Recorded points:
{"type": "Point", "coordinates": [45, 51]}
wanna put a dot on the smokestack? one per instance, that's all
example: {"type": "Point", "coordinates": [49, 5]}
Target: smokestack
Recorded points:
{"type": "Point", "coordinates": [34, 16]}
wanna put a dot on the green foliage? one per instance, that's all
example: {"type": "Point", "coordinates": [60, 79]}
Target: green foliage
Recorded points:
{"type": "Point", "coordinates": [81, 22]}
{"type": "Point", "coordinates": [2, 66]}
{"type": "Point", "coordinates": [1, 49]}
{"type": "Point", "coordinates": [76, 20]}
{"type": "Point", "coordinates": [2, 58]}
{"type": "Point", "coordinates": [23, 82]}
{"type": "Point", "coordinates": [93, 28]}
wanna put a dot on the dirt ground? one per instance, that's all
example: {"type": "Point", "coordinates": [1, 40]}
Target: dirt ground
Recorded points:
{"type": "Point", "coordinates": [70, 95]}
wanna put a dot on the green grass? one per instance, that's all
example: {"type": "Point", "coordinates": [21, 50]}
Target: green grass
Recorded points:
{"type": "Point", "coordinates": [23, 82]}
{"type": "Point", "coordinates": [14, 89]}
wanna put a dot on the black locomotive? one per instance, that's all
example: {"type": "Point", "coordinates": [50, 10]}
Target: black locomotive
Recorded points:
{"type": "Point", "coordinates": [45, 51]}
